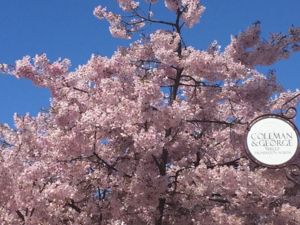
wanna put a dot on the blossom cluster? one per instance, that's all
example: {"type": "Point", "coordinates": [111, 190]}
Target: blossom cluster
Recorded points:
{"type": "Point", "coordinates": [153, 134]}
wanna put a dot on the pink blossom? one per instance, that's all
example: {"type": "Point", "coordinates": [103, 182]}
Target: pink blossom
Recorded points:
{"type": "Point", "coordinates": [153, 134]}
{"type": "Point", "coordinates": [172, 4]}
{"type": "Point", "coordinates": [192, 12]}
{"type": "Point", "coordinates": [128, 5]}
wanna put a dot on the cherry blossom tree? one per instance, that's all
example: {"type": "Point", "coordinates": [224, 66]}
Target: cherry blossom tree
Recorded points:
{"type": "Point", "coordinates": [152, 135]}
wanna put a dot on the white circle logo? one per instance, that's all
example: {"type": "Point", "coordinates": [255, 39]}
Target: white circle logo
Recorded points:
{"type": "Point", "coordinates": [272, 141]}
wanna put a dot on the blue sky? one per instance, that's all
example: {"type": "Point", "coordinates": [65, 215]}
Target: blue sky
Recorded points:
{"type": "Point", "coordinates": [67, 28]}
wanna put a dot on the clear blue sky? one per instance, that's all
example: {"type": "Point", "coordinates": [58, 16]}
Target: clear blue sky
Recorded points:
{"type": "Point", "coordinates": [67, 28]}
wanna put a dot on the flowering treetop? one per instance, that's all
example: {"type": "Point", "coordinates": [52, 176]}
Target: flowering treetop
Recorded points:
{"type": "Point", "coordinates": [151, 135]}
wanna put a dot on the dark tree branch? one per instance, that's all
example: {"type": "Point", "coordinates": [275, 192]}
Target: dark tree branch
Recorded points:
{"type": "Point", "coordinates": [148, 19]}
{"type": "Point", "coordinates": [236, 121]}
{"type": "Point", "coordinates": [161, 208]}
{"type": "Point", "coordinates": [177, 173]}
{"type": "Point", "coordinates": [110, 167]}
{"type": "Point", "coordinates": [198, 158]}
{"type": "Point", "coordinates": [161, 165]}
{"type": "Point", "coordinates": [234, 163]}
{"type": "Point", "coordinates": [21, 216]}
{"type": "Point", "coordinates": [218, 198]}
{"type": "Point", "coordinates": [73, 206]}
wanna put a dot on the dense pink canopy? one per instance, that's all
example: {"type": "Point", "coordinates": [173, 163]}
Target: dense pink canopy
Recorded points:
{"type": "Point", "coordinates": [152, 135]}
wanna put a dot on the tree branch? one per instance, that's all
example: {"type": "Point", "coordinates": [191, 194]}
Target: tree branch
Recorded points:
{"type": "Point", "coordinates": [161, 208]}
